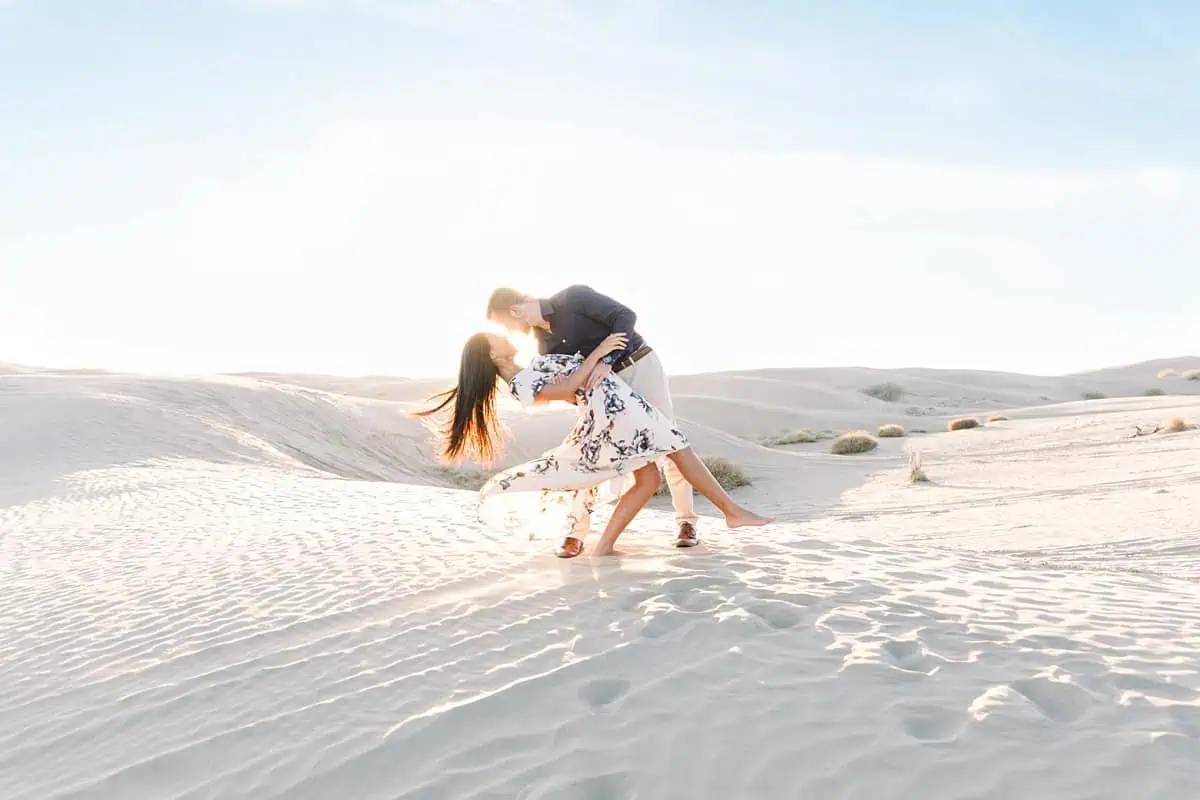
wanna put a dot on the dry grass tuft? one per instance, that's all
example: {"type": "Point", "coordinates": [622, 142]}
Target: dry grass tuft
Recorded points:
{"type": "Point", "coordinates": [728, 474]}
{"type": "Point", "coordinates": [1153, 391]}
{"type": "Point", "coordinates": [854, 442]}
{"type": "Point", "coordinates": [465, 478]}
{"type": "Point", "coordinates": [997, 418]}
{"type": "Point", "coordinates": [891, 431]}
{"type": "Point", "coordinates": [963, 423]}
{"type": "Point", "coordinates": [1094, 396]}
{"type": "Point", "coordinates": [887, 392]}
{"type": "Point", "coordinates": [915, 473]}
{"type": "Point", "coordinates": [1168, 373]}
{"type": "Point", "coordinates": [802, 436]}
{"type": "Point", "coordinates": [1192, 375]}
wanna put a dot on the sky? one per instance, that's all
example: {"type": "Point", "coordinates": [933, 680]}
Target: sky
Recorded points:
{"type": "Point", "coordinates": [335, 186]}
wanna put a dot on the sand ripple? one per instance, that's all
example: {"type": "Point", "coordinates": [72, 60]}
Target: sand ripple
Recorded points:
{"type": "Point", "coordinates": [183, 627]}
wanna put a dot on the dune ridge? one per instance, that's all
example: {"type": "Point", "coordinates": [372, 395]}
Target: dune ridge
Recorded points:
{"type": "Point", "coordinates": [223, 587]}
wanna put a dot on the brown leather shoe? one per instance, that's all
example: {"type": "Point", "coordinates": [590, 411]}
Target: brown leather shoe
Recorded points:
{"type": "Point", "coordinates": [570, 547]}
{"type": "Point", "coordinates": [687, 535]}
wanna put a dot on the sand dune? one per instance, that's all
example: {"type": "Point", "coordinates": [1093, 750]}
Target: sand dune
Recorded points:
{"type": "Point", "coordinates": [254, 587]}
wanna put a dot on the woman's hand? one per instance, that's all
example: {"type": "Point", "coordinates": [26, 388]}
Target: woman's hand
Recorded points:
{"type": "Point", "coordinates": [614, 343]}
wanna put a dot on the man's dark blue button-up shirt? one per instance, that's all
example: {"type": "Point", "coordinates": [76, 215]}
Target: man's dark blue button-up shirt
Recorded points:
{"type": "Point", "coordinates": [580, 319]}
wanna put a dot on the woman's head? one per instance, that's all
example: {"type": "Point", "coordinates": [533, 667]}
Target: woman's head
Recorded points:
{"type": "Point", "coordinates": [474, 429]}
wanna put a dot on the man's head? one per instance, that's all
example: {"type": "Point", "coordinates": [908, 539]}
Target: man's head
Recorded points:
{"type": "Point", "coordinates": [517, 312]}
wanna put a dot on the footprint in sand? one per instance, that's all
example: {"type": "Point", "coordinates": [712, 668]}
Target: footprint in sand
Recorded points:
{"type": "Point", "coordinates": [601, 693]}
{"type": "Point", "coordinates": [779, 614]}
{"type": "Point", "coordinates": [663, 623]}
{"type": "Point", "coordinates": [1154, 687]}
{"type": "Point", "coordinates": [910, 655]}
{"type": "Point", "coordinates": [1059, 701]}
{"type": "Point", "coordinates": [633, 599]}
{"type": "Point", "coordinates": [609, 786]}
{"type": "Point", "coordinates": [1187, 718]}
{"type": "Point", "coordinates": [932, 724]}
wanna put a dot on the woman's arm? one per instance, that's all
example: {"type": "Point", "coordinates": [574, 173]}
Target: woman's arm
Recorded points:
{"type": "Point", "coordinates": [565, 389]}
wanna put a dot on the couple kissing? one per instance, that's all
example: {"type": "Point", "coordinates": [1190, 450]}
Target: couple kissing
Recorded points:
{"type": "Point", "coordinates": [590, 355]}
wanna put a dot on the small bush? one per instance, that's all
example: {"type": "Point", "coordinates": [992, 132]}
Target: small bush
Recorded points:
{"type": "Point", "coordinates": [854, 442]}
{"type": "Point", "coordinates": [963, 423]}
{"type": "Point", "coordinates": [728, 474]}
{"type": "Point", "coordinates": [1177, 425]}
{"type": "Point", "coordinates": [915, 473]}
{"type": "Point", "coordinates": [465, 478]}
{"type": "Point", "coordinates": [802, 436]}
{"type": "Point", "coordinates": [1094, 396]}
{"type": "Point", "coordinates": [1192, 375]}
{"type": "Point", "coordinates": [997, 418]}
{"type": "Point", "coordinates": [887, 392]}
{"type": "Point", "coordinates": [1153, 391]}
{"type": "Point", "coordinates": [1168, 373]}
{"type": "Point", "coordinates": [891, 431]}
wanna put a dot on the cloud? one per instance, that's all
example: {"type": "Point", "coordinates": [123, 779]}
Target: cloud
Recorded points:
{"type": "Point", "coordinates": [375, 232]}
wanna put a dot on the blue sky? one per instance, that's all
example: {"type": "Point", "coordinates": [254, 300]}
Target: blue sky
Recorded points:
{"type": "Point", "coordinates": [335, 186]}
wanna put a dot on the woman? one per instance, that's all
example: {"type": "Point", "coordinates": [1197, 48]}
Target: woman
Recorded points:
{"type": "Point", "coordinates": [611, 452]}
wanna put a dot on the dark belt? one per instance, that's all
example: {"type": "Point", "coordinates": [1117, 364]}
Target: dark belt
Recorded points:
{"type": "Point", "coordinates": [631, 359]}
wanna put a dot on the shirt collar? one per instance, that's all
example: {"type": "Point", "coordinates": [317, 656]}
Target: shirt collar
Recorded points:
{"type": "Point", "coordinates": [547, 309]}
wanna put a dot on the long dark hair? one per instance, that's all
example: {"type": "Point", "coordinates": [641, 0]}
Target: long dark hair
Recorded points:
{"type": "Point", "coordinates": [474, 429]}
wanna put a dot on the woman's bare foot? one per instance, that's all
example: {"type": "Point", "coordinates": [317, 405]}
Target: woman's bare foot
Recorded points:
{"type": "Point", "coordinates": [604, 547]}
{"type": "Point", "coordinates": [745, 518]}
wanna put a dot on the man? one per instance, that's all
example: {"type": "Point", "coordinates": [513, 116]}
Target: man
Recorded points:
{"type": "Point", "coordinates": [574, 321]}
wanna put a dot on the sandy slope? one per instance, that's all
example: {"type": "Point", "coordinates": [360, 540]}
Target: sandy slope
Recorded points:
{"type": "Point", "coordinates": [215, 588]}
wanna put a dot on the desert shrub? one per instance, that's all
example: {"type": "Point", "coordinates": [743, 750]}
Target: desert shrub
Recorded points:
{"type": "Point", "coordinates": [802, 436]}
{"type": "Point", "coordinates": [728, 474]}
{"type": "Point", "coordinates": [1192, 375]}
{"type": "Point", "coordinates": [1168, 373]}
{"type": "Point", "coordinates": [963, 423]}
{"type": "Point", "coordinates": [997, 418]}
{"type": "Point", "coordinates": [890, 431]}
{"type": "Point", "coordinates": [915, 473]}
{"type": "Point", "coordinates": [1093, 395]}
{"type": "Point", "coordinates": [1153, 391]}
{"type": "Point", "coordinates": [1177, 425]}
{"type": "Point", "coordinates": [887, 392]}
{"type": "Point", "coordinates": [854, 442]}
{"type": "Point", "coordinates": [466, 478]}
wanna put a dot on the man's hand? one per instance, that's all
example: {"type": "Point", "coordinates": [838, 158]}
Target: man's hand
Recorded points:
{"type": "Point", "coordinates": [598, 375]}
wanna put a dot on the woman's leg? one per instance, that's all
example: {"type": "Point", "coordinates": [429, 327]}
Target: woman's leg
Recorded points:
{"type": "Point", "coordinates": [645, 484]}
{"type": "Point", "coordinates": [698, 475]}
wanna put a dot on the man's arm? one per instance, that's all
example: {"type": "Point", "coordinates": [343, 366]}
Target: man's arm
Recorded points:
{"type": "Point", "coordinates": [618, 318]}
{"type": "Point", "coordinates": [564, 388]}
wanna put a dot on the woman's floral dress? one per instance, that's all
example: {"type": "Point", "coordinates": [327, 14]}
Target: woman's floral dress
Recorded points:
{"type": "Point", "coordinates": [617, 432]}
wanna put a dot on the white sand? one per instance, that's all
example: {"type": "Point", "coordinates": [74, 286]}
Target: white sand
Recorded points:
{"type": "Point", "coordinates": [233, 587]}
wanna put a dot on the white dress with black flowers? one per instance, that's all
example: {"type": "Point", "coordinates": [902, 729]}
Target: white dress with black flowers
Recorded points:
{"type": "Point", "coordinates": [616, 433]}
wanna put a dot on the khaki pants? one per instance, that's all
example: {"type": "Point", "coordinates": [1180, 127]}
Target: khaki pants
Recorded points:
{"type": "Point", "coordinates": [648, 379]}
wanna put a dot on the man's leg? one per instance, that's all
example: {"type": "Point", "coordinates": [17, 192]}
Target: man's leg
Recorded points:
{"type": "Point", "coordinates": [580, 521]}
{"type": "Point", "coordinates": [648, 379]}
